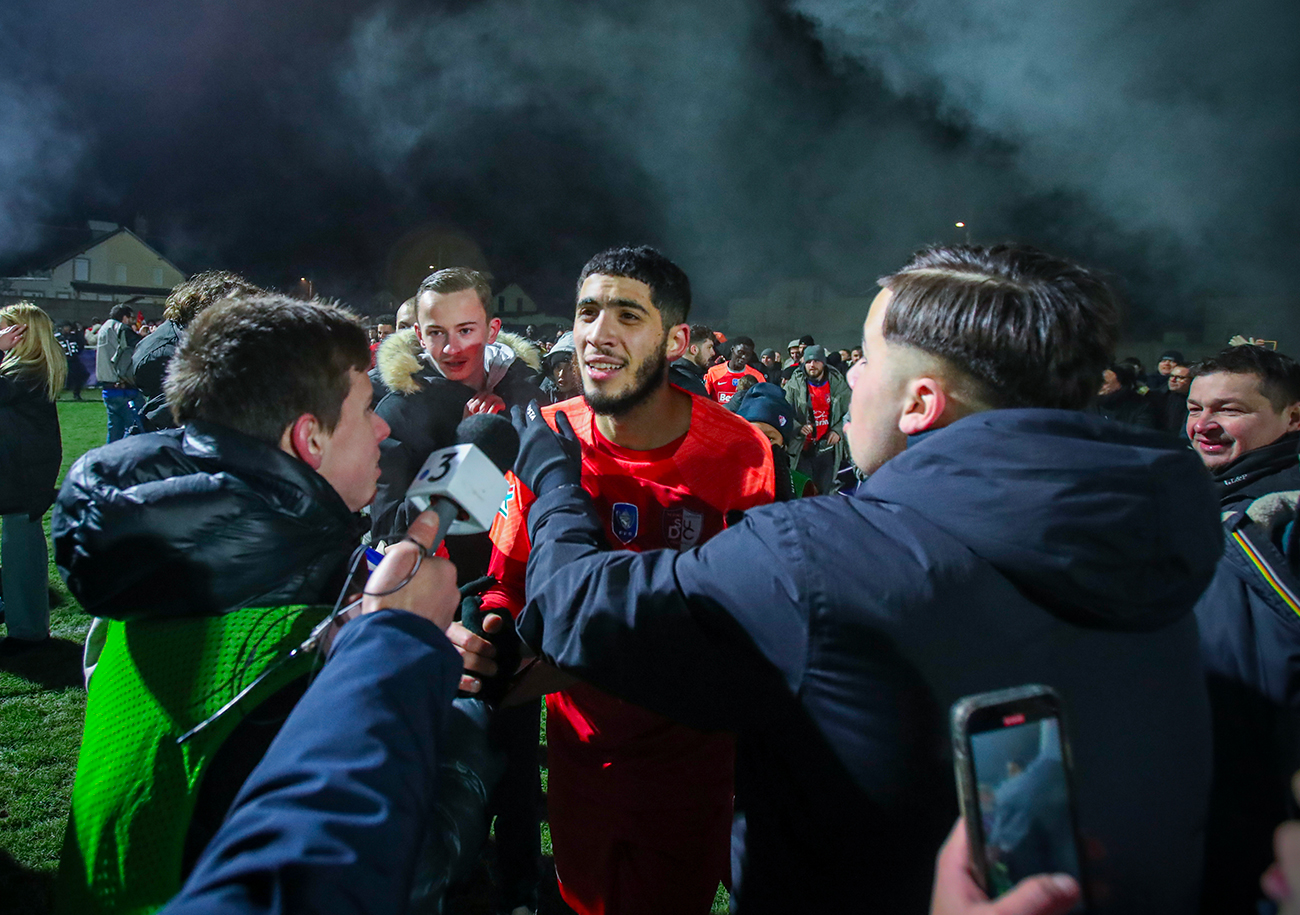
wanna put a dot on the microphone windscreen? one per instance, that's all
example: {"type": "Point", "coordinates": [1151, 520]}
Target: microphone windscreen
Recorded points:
{"type": "Point", "coordinates": [492, 434]}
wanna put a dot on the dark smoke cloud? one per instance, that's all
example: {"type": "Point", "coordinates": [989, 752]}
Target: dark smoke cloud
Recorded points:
{"type": "Point", "coordinates": [713, 130]}
{"type": "Point", "coordinates": [754, 140]}
{"type": "Point", "coordinates": [1169, 117]}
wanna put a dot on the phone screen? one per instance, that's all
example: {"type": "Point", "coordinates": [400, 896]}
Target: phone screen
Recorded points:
{"type": "Point", "coordinates": [1024, 800]}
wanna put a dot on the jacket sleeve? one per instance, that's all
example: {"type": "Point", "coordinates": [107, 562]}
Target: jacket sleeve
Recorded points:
{"type": "Point", "coordinates": [706, 637]}
{"type": "Point", "coordinates": [332, 818]}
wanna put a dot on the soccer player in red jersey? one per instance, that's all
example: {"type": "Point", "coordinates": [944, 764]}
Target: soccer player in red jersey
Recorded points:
{"type": "Point", "coordinates": [721, 379]}
{"type": "Point", "coordinates": [640, 808]}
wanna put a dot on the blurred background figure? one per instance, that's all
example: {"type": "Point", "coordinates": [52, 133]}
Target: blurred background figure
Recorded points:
{"type": "Point", "coordinates": [114, 348]}
{"type": "Point", "coordinates": [72, 342]}
{"type": "Point", "coordinates": [1119, 398]}
{"type": "Point", "coordinates": [561, 379]}
{"type": "Point", "coordinates": [31, 375]}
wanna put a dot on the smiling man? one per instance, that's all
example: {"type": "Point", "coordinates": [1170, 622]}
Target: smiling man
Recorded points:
{"type": "Point", "coordinates": [1243, 417]}
{"type": "Point", "coordinates": [208, 553]}
{"type": "Point", "coordinates": [1003, 537]}
{"type": "Point", "coordinates": [640, 808]}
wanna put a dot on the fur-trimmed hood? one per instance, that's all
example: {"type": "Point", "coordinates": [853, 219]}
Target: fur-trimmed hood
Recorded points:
{"type": "Point", "coordinates": [401, 359]}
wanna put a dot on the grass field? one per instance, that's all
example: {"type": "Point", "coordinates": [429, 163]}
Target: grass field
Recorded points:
{"type": "Point", "coordinates": [42, 704]}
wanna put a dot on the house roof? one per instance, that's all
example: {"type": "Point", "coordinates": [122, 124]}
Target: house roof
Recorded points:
{"type": "Point", "coordinates": [63, 243]}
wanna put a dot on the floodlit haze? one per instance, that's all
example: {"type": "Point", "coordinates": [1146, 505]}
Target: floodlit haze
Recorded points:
{"type": "Point", "coordinates": [753, 141]}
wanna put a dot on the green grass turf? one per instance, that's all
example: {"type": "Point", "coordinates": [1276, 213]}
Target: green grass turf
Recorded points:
{"type": "Point", "coordinates": [42, 704]}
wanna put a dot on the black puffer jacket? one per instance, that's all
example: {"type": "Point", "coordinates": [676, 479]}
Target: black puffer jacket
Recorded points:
{"type": "Point", "coordinates": [201, 520]}
{"type": "Point", "coordinates": [31, 449]}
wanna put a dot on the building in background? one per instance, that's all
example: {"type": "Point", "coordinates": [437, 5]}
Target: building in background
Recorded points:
{"type": "Point", "coordinates": [79, 274]}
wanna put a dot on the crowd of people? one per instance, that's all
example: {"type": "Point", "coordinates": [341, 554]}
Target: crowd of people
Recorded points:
{"type": "Point", "coordinates": [747, 588]}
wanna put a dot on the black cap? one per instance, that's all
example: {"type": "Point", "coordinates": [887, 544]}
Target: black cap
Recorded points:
{"type": "Point", "coordinates": [1171, 354]}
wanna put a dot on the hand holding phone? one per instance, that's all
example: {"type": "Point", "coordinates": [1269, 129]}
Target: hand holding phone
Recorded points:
{"type": "Point", "coordinates": [1012, 761]}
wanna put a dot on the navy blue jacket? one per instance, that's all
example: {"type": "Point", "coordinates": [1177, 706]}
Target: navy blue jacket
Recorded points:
{"type": "Point", "coordinates": [1250, 639]}
{"type": "Point", "coordinates": [332, 818]}
{"type": "Point", "coordinates": [834, 634]}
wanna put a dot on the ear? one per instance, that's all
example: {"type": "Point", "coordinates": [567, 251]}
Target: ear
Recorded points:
{"type": "Point", "coordinates": [924, 403]}
{"type": "Point", "coordinates": [494, 328]}
{"type": "Point", "coordinates": [1292, 414]}
{"type": "Point", "coordinates": [305, 439]}
{"type": "Point", "coordinates": [679, 340]}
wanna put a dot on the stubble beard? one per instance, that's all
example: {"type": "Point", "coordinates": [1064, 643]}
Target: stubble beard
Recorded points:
{"type": "Point", "coordinates": [649, 377]}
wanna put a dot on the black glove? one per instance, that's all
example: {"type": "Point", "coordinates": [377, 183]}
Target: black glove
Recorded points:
{"type": "Point", "coordinates": [547, 459]}
{"type": "Point", "coordinates": [505, 640]}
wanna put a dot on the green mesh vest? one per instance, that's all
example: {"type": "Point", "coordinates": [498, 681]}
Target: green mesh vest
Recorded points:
{"type": "Point", "coordinates": [136, 786]}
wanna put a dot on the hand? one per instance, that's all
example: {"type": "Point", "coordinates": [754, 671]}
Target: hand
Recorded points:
{"type": "Point", "coordinates": [833, 438]}
{"type": "Point", "coordinates": [486, 402]}
{"type": "Point", "coordinates": [547, 459]}
{"type": "Point", "coordinates": [957, 893]}
{"type": "Point", "coordinates": [806, 430]}
{"type": "Point", "coordinates": [1282, 880]}
{"type": "Point", "coordinates": [477, 654]}
{"type": "Point", "coordinates": [11, 336]}
{"type": "Point", "coordinates": [431, 590]}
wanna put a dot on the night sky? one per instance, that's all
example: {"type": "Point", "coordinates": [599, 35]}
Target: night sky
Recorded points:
{"type": "Point", "coordinates": [752, 141]}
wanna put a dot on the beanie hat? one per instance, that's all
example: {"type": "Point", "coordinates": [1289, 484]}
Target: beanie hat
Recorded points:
{"type": "Point", "coordinates": [1171, 354]}
{"type": "Point", "coordinates": [766, 403]}
{"type": "Point", "coordinates": [814, 352]}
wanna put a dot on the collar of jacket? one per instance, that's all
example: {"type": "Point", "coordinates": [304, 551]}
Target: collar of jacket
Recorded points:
{"type": "Point", "coordinates": [1255, 465]}
{"type": "Point", "coordinates": [406, 368]}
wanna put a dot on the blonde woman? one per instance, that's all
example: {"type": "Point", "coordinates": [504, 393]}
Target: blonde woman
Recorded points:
{"type": "Point", "coordinates": [32, 371]}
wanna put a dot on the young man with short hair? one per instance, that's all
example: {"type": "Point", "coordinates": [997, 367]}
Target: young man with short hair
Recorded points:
{"type": "Point", "coordinates": [640, 808]}
{"type": "Point", "coordinates": [720, 381]}
{"type": "Point", "coordinates": [208, 553]}
{"type": "Point", "coordinates": [456, 361]}
{"type": "Point", "coordinates": [1003, 537]}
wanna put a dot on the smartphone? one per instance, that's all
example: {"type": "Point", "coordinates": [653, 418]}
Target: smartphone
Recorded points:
{"type": "Point", "coordinates": [1011, 752]}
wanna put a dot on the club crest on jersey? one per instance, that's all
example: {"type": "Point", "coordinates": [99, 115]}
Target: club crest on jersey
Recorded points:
{"type": "Point", "coordinates": [682, 528]}
{"type": "Point", "coordinates": [625, 521]}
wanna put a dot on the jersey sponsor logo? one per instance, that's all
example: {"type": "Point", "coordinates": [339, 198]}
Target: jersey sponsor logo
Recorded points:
{"type": "Point", "coordinates": [682, 528]}
{"type": "Point", "coordinates": [504, 510]}
{"type": "Point", "coordinates": [624, 521]}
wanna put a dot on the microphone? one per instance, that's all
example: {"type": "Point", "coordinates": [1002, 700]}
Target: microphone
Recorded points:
{"type": "Point", "coordinates": [465, 484]}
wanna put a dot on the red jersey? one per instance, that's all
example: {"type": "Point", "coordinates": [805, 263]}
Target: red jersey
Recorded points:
{"type": "Point", "coordinates": [720, 381]}
{"type": "Point", "coordinates": [819, 402]}
{"type": "Point", "coordinates": [602, 751]}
